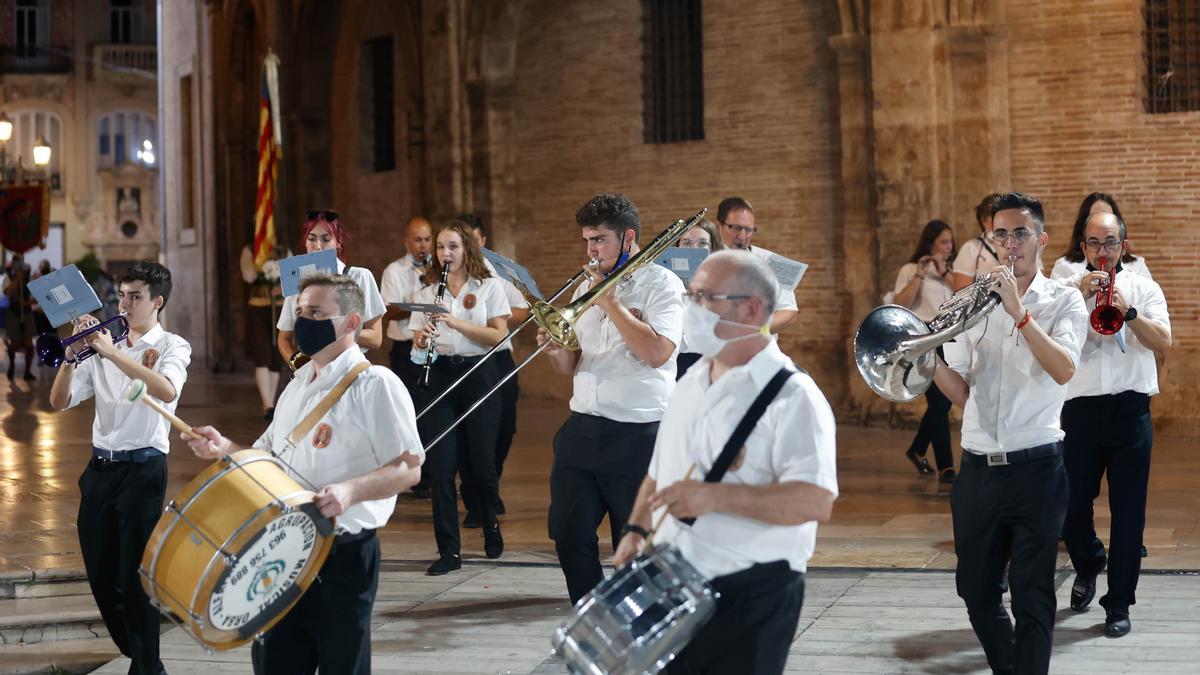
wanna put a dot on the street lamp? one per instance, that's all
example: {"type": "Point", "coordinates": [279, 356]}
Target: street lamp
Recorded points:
{"type": "Point", "coordinates": [6, 127]}
{"type": "Point", "coordinates": [41, 152]}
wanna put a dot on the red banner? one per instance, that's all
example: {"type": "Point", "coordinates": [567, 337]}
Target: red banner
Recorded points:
{"type": "Point", "coordinates": [24, 216]}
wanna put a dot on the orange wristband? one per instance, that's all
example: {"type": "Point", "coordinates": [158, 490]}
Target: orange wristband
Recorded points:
{"type": "Point", "coordinates": [1025, 320]}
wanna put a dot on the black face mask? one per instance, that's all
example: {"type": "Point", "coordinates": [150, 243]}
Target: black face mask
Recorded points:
{"type": "Point", "coordinates": [313, 335]}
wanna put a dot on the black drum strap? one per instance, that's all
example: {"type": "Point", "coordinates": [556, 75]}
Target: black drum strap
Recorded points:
{"type": "Point", "coordinates": [734, 445]}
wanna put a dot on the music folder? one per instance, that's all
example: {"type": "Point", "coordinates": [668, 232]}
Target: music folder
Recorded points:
{"type": "Point", "coordinates": [295, 268]}
{"type": "Point", "coordinates": [64, 295]}
{"type": "Point", "coordinates": [424, 308]}
{"type": "Point", "coordinates": [514, 273]}
{"type": "Point", "coordinates": [682, 261]}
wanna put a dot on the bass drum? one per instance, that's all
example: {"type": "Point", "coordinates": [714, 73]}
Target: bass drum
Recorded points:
{"type": "Point", "coordinates": [638, 619]}
{"type": "Point", "coordinates": [235, 550]}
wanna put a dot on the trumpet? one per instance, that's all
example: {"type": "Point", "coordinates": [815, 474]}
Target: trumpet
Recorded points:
{"type": "Point", "coordinates": [1106, 319]}
{"type": "Point", "coordinates": [895, 351]}
{"type": "Point", "coordinates": [52, 351]}
{"type": "Point", "coordinates": [431, 348]}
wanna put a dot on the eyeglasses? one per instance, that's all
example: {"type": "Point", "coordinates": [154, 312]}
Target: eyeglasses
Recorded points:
{"type": "Point", "coordinates": [702, 298]}
{"type": "Point", "coordinates": [327, 216]}
{"type": "Point", "coordinates": [694, 243]}
{"type": "Point", "coordinates": [1110, 245]}
{"type": "Point", "coordinates": [1018, 237]}
{"type": "Point", "coordinates": [740, 229]}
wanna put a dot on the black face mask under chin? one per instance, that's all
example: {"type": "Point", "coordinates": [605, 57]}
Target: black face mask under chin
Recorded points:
{"type": "Point", "coordinates": [313, 335]}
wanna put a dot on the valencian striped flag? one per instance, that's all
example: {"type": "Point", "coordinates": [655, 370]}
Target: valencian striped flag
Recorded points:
{"type": "Point", "coordinates": [269, 151]}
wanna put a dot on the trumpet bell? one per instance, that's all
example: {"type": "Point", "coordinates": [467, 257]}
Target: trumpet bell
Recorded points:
{"type": "Point", "coordinates": [1107, 320]}
{"type": "Point", "coordinates": [879, 352]}
{"type": "Point", "coordinates": [50, 350]}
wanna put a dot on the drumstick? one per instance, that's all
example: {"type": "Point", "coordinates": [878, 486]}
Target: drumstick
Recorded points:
{"type": "Point", "coordinates": [136, 391]}
{"type": "Point", "coordinates": [650, 539]}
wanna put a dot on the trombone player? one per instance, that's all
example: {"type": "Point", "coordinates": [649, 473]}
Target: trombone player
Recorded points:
{"type": "Point", "coordinates": [623, 375]}
{"type": "Point", "coordinates": [1009, 374]}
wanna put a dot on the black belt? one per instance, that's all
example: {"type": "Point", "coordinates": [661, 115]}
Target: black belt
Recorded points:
{"type": "Point", "coordinates": [347, 538]}
{"type": "Point", "coordinates": [456, 360]}
{"type": "Point", "coordinates": [137, 456]}
{"type": "Point", "coordinates": [1013, 456]}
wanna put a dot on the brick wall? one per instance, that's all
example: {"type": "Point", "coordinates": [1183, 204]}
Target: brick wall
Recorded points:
{"type": "Point", "coordinates": [1078, 125]}
{"type": "Point", "coordinates": [770, 136]}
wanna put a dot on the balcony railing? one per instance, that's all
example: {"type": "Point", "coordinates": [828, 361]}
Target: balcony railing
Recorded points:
{"type": "Point", "coordinates": [125, 62]}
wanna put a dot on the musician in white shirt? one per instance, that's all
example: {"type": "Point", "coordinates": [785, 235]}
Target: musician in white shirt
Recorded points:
{"type": "Point", "coordinates": [1009, 373]}
{"type": "Point", "coordinates": [977, 255]}
{"type": "Point", "coordinates": [360, 455]}
{"type": "Point", "coordinates": [400, 280]}
{"type": "Point", "coordinates": [1107, 422]}
{"type": "Point", "coordinates": [755, 528]}
{"type": "Point", "coordinates": [623, 373]}
{"type": "Point", "coordinates": [1073, 262]}
{"type": "Point", "coordinates": [736, 216]}
{"type": "Point", "coordinates": [122, 489]}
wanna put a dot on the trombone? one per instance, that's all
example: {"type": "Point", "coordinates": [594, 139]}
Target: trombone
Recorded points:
{"type": "Point", "coordinates": [559, 324]}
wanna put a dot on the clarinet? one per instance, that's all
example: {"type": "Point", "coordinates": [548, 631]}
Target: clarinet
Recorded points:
{"type": "Point", "coordinates": [423, 382]}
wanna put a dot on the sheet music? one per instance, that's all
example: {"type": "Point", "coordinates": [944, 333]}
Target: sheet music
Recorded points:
{"type": "Point", "coordinates": [788, 272]}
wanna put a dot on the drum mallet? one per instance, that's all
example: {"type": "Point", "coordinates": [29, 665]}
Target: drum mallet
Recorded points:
{"type": "Point", "coordinates": [649, 540]}
{"type": "Point", "coordinates": [136, 391]}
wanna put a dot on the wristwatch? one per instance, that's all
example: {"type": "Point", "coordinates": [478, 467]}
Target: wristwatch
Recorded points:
{"type": "Point", "coordinates": [1131, 314]}
{"type": "Point", "coordinates": [631, 527]}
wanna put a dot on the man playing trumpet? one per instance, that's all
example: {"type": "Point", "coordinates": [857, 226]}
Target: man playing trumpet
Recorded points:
{"type": "Point", "coordinates": [122, 488]}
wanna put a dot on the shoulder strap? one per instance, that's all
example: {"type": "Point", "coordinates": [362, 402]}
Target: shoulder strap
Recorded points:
{"type": "Point", "coordinates": [310, 420]}
{"type": "Point", "coordinates": [734, 445]}
{"type": "Point", "coordinates": [989, 249]}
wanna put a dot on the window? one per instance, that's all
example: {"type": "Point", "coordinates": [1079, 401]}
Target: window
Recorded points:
{"type": "Point", "coordinates": [32, 32]}
{"type": "Point", "coordinates": [123, 136]}
{"type": "Point", "coordinates": [377, 106]}
{"type": "Point", "coordinates": [1172, 56]}
{"type": "Point", "coordinates": [125, 21]}
{"type": "Point", "coordinates": [673, 71]}
{"type": "Point", "coordinates": [28, 125]}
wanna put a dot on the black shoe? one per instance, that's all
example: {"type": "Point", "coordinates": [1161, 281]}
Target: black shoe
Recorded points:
{"type": "Point", "coordinates": [922, 465]}
{"type": "Point", "coordinates": [471, 521]}
{"type": "Point", "coordinates": [500, 510]}
{"type": "Point", "coordinates": [1144, 553]}
{"type": "Point", "coordinates": [1083, 591]}
{"type": "Point", "coordinates": [444, 565]}
{"type": "Point", "coordinates": [29, 377]}
{"type": "Point", "coordinates": [421, 492]}
{"type": "Point", "coordinates": [269, 414]}
{"type": "Point", "coordinates": [1116, 624]}
{"type": "Point", "coordinates": [493, 542]}
{"type": "Point", "coordinates": [947, 476]}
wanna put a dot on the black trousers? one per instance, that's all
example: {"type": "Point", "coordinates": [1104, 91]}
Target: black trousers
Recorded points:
{"type": "Point", "coordinates": [120, 503]}
{"type": "Point", "coordinates": [473, 439]}
{"type": "Point", "coordinates": [509, 393]}
{"type": "Point", "coordinates": [329, 629]}
{"type": "Point", "coordinates": [684, 361]}
{"type": "Point", "coordinates": [1108, 435]}
{"type": "Point", "coordinates": [599, 464]}
{"type": "Point", "coordinates": [400, 358]}
{"type": "Point", "coordinates": [1008, 513]}
{"type": "Point", "coordinates": [753, 626]}
{"type": "Point", "coordinates": [935, 429]}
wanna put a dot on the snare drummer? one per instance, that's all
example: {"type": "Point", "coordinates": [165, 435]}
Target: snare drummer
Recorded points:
{"type": "Point", "coordinates": [756, 528]}
{"type": "Point", "coordinates": [362, 453]}
{"type": "Point", "coordinates": [122, 488]}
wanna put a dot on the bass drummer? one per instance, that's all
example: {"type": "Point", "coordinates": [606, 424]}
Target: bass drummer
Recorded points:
{"type": "Point", "coordinates": [751, 528]}
{"type": "Point", "coordinates": [362, 453]}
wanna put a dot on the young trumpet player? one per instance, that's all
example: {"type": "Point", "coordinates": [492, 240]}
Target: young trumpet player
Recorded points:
{"type": "Point", "coordinates": [122, 488]}
{"type": "Point", "coordinates": [475, 322]}
{"type": "Point", "coordinates": [1107, 419]}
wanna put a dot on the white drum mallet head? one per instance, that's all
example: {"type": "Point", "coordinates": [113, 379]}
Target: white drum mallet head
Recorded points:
{"type": "Point", "coordinates": [136, 391]}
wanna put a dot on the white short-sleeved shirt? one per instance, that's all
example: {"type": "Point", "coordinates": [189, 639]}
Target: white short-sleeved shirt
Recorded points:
{"type": "Point", "coordinates": [787, 296]}
{"type": "Point", "coordinates": [1103, 368]}
{"type": "Point", "coordinates": [515, 299]}
{"type": "Point", "coordinates": [120, 424]}
{"type": "Point", "coordinates": [609, 380]}
{"type": "Point", "coordinates": [975, 257]}
{"type": "Point", "coordinates": [932, 293]}
{"type": "Point", "coordinates": [1013, 403]}
{"type": "Point", "coordinates": [794, 441]}
{"type": "Point", "coordinates": [1065, 269]}
{"type": "Point", "coordinates": [372, 302]}
{"type": "Point", "coordinates": [371, 425]}
{"type": "Point", "coordinates": [478, 301]}
{"type": "Point", "coordinates": [400, 281]}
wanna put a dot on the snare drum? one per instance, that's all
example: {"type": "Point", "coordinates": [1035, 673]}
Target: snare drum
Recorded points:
{"type": "Point", "coordinates": [235, 550]}
{"type": "Point", "coordinates": [638, 619]}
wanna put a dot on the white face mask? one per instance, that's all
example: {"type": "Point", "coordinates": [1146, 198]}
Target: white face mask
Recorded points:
{"type": "Point", "coordinates": [700, 327]}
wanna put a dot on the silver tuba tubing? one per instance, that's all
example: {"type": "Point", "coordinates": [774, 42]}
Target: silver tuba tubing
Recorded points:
{"type": "Point", "coordinates": [896, 351]}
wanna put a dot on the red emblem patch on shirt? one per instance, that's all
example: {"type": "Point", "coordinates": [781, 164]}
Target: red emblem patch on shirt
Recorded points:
{"type": "Point", "coordinates": [322, 436]}
{"type": "Point", "coordinates": [150, 358]}
{"type": "Point", "coordinates": [469, 301]}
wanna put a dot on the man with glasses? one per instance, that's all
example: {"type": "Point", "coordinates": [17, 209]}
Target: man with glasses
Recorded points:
{"type": "Point", "coordinates": [781, 482]}
{"type": "Point", "coordinates": [1107, 422]}
{"type": "Point", "coordinates": [623, 373]}
{"type": "Point", "coordinates": [736, 217]}
{"type": "Point", "coordinates": [1009, 374]}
